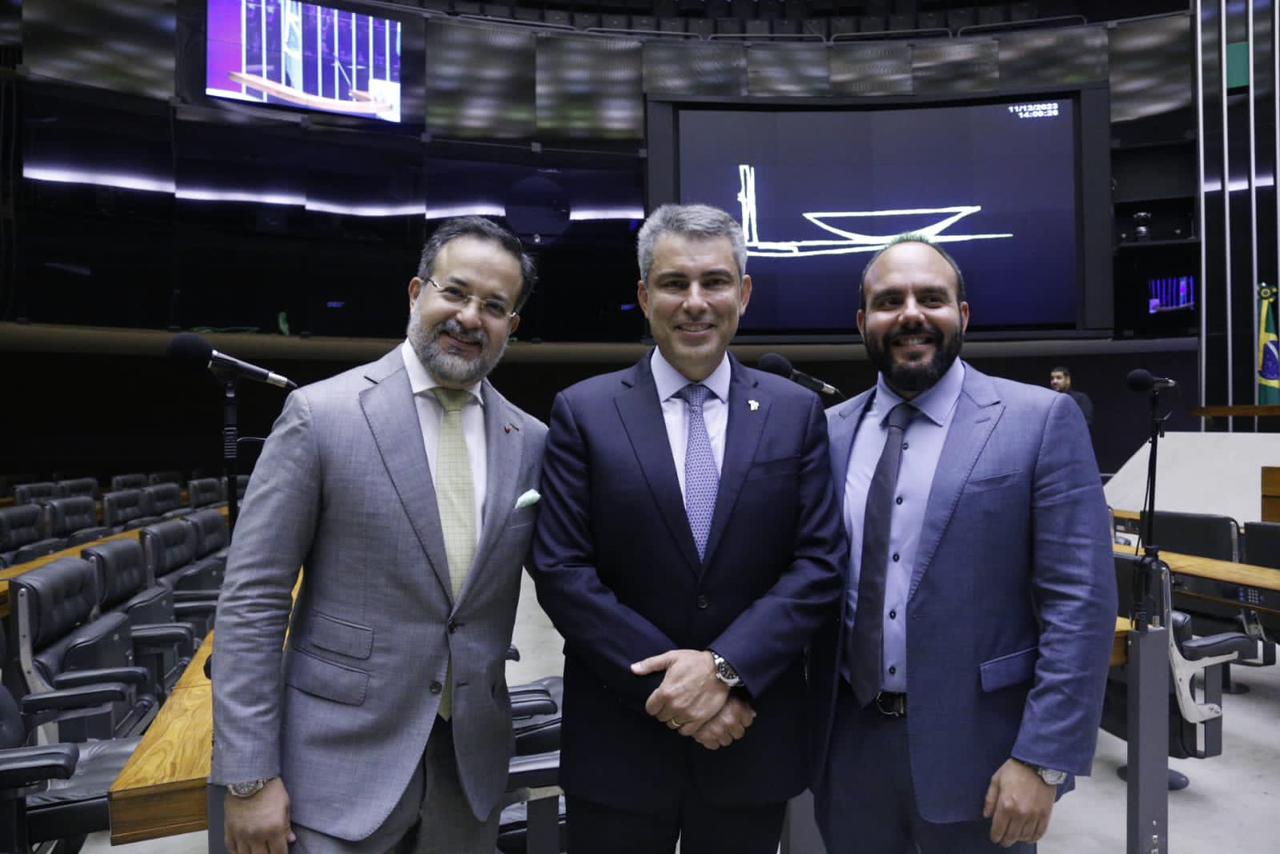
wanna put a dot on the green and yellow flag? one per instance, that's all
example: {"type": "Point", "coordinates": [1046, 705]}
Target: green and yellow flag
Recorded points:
{"type": "Point", "coordinates": [1268, 347]}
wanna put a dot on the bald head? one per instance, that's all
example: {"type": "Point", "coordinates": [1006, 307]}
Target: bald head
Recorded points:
{"type": "Point", "coordinates": [911, 240]}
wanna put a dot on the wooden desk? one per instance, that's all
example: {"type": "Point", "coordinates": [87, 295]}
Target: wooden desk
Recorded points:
{"type": "Point", "coordinates": [1271, 493]}
{"type": "Point", "coordinates": [162, 790]}
{"type": "Point", "coordinates": [1120, 646]}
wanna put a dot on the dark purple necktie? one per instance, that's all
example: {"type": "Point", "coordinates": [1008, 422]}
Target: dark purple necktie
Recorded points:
{"type": "Point", "coordinates": [866, 645]}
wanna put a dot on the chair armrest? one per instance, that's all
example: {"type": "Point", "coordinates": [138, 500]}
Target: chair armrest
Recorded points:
{"type": "Point", "coordinates": [533, 772]}
{"type": "Point", "coordinates": [529, 705]}
{"type": "Point", "coordinates": [77, 678]}
{"type": "Point", "coordinates": [195, 596]}
{"type": "Point", "coordinates": [1221, 644]}
{"type": "Point", "coordinates": [73, 698]}
{"type": "Point", "coordinates": [165, 634]}
{"type": "Point", "coordinates": [198, 607]}
{"type": "Point", "coordinates": [23, 766]}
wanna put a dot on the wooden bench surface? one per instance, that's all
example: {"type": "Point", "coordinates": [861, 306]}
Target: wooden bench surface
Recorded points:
{"type": "Point", "coordinates": [162, 789]}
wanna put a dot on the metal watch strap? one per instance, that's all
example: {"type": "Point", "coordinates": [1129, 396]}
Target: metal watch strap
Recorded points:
{"type": "Point", "coordinates": [725, 671]}
{"type": "Point", "coordinates": [247, 789]}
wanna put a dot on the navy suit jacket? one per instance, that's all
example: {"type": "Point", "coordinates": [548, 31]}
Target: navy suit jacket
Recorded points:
{"type": "Point", "coordinates": [617, 571]}
{"type": "Point", "coordinates": [1012, 603]}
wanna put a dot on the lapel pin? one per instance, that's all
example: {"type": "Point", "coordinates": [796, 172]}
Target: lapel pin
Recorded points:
{"type": "Point", "coordinates": [507, 428]}
{"type": "Point", "coordinates": [754, 404]}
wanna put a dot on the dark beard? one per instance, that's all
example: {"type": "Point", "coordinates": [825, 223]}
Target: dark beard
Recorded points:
{"type": "Point", "coordinates": [910, 380]}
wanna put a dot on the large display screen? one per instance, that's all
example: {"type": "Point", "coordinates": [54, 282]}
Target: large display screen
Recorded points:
{"type": "Point", "coordinates": [819, 191]}
{"type": "Point", "coordinates": [303, 55]}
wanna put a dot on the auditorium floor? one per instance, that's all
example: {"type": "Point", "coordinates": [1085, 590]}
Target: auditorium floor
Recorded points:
{"type": "Point", "coordinates": [1230, 805]}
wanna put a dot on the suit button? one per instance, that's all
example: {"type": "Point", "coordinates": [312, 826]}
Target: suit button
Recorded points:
{"type": "Point", "coordinates": [893, 615]}
{"type": "Point", "coordinates": [436, 687]}
{"type": "Point", "coordinates": [452, 626]}
{"type": "Point", "coordinates": [702, 602]}
{"type": "Point", "coordinates": [896, 557]}
{"type": "Point", "coordinates": [892, 670]}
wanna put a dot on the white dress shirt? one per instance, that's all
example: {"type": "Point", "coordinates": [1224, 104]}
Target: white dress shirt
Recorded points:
{"type": "Point", "coordinates": [715, 411]}
{"type": "Point", "coordinates": [431, 414]}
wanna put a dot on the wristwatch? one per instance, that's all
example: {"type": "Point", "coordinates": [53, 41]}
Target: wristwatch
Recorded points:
{"type": "Point", "coordinates": [724, 670]}
{"type": "Point", "coordinates": [247, 789]}
{"type": "Point", "coordinates": [1050, 776]}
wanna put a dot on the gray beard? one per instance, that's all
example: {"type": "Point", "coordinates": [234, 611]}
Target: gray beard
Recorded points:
{"type": "Point", "coordinates": [447, 368]}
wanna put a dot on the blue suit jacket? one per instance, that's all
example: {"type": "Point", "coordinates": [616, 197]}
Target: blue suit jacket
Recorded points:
{"type": "Point", "coordinates": [617, 571]}
{"type": "Point", "coordinates": [1012, 603]}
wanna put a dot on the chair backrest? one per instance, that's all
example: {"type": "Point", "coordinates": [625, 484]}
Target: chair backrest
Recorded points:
{"type": "Point", "coordinates": [162, 497]}
{"type": "Point", "coordinates": [166, 477]}
{"type": "Point", "coordinates": [168, 546]}
{"type": "Point", "coordinates": [60, 596]}
{"type": "Point", "coordinates": [67, 515]}
{"type": "Point", "coordinates": [122, 571]}
{"type": "Point", "coordinates": [128, 481]}
{"type": "Point", "coordinates": [77, 486]}
{"type": "Point", "coordinates": [21, 525]}
{"type": "Point", "coordinates": [1262, 543]}
{"type": "Point", "coordinates": [1199, 534]}
{"type": "Point", "coordinates": [204, 491]}
{"type": "Point", "coordinates": [31, 493]}
{"type": "Point", "coordinates": [210, 531]}
{"type": "Point", "coordinates": [242, 483]}
{"type": "Point", "coordinates": [119, 506]}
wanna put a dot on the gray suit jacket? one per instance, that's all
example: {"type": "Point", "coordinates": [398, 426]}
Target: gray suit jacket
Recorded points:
{"type": "Point", "coordinates": [344, 711]}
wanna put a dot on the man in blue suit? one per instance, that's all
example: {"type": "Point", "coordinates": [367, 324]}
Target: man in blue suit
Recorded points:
{"type": "Point", "coordinates": [688, 548]}
{"type": "Point", "coordinates": [963, 687]}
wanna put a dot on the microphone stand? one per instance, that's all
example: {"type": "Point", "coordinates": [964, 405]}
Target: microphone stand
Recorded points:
{"type": "Point", "coordinates": [230, 443]}
{"type": "Point", "coordinates": [1147, 674]}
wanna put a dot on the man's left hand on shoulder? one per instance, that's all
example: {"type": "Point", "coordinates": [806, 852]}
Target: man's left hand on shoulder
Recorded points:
{"type": "Point", "coordinates": [690, 694]}
{"type": "Point", "coordinates": [1019, 803]}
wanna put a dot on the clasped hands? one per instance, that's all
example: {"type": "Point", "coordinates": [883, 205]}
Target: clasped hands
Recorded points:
{"type": "Point", "coordinates": [692, 701]}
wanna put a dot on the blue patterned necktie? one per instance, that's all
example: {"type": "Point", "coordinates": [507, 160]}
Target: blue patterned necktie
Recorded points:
{"type": "Point", "coordinates": [701, 477]}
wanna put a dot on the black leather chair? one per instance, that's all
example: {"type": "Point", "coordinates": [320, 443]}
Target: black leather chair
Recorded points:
{"type": "Point", "coordinates": [55, 791]}
{"type": "Point", "coordinates": [126, 510]}
{"type": "Point", "coordinates": [76, 519]}
{"type": "Point", "coordinates": [1195, 724]}
{"type": "Point", "coordinates": [128, 481]}
{"type": "Point", "coordinates": [533, 816]}
{"type": "Point", "coordinates": [163, 500]}
{"type": "Point", "coordinates": [165, 632]}
{"type": "Point", "coordinates": [1199, 534]}
{"type": "Point", "coordinates": [77, 486]}
{"type": "Point", "coordinates": [212, 539]}
{"type": "Point", "coordinates": [204, 491]}
{"type": "Point", "coordinates": [34, 493]}
{"type": "Point", "coordinates": [174, 477]}
{"type": "Point", "coordinates": [1262, 544]}
{"type": "Point", "coordinates": [61, 645]}
{"type": "Point", "coordinates": [24, 535]}
{"type": "Point", "coordinates": [170, 550]}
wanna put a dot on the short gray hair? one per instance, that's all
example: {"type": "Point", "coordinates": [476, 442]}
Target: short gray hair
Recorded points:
{"type": "Point", "coordinates": [911, 237]}
{"type": "Point", "coordinates": [702, 222]}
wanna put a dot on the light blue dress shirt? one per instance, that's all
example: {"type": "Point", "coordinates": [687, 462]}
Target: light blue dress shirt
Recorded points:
{"type": "Point", "coordinates": [922, 448]}
{"type": "Point", "coordinates": [675, 413]}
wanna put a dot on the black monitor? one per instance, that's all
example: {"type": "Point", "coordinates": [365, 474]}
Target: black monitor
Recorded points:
{"type": "Point", "coordinates": [1014, 186]}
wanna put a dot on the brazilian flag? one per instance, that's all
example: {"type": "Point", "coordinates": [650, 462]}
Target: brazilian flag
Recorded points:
{"type": "Point", "coordinates": [1268, 347]}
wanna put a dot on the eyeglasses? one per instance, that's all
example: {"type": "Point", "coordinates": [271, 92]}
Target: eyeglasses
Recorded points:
{"type": "Point", "coordinates": [494, 309]}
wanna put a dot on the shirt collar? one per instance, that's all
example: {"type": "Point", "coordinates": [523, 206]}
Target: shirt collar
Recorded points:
{"type": "Point", "coordinates": [669, 381]}
{"type": "Point", "coordinates": [936, 402]}
{"type": "Point", "coordinates": [420, 379]}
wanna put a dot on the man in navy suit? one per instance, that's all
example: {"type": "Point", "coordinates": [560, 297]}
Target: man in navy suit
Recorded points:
{"type": "Point", "coordinates": [688, 547]}
{"type": "Point", "coordinates": [963, 687]}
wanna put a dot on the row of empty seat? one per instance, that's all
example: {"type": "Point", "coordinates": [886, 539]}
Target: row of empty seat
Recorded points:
{"type": "Point", "coordinates": [43, 526]}
{"type": "Point", "coordinates": [92, 646]}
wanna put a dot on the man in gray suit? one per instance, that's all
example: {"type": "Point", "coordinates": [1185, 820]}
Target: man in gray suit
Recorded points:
{"type": "Point", "coordinates": [405, 486]}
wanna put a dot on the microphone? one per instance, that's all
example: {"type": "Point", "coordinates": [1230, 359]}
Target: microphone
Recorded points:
{"type": "Point", "coordinates": [1140, 379]}
{"type": "Point", "coordinates": [781, 365]}
{"type": "Point", "coordinates": [193, 349]}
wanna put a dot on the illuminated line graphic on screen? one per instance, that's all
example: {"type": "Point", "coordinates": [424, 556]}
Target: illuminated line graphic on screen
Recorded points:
{"type": "Point", "coordinates": [851, 241]}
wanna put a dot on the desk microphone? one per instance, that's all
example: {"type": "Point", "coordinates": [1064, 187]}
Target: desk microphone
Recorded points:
{"type": "Point", "coordinates": [193, 349]}
{"type": "Point", "coordinates": [775, 363]}
{"type": "Point", "coordinates": [1140, 379]}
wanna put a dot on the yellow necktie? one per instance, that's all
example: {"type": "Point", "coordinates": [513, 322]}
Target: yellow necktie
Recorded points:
{"type": "Point", "coordinates": [455, 498]}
